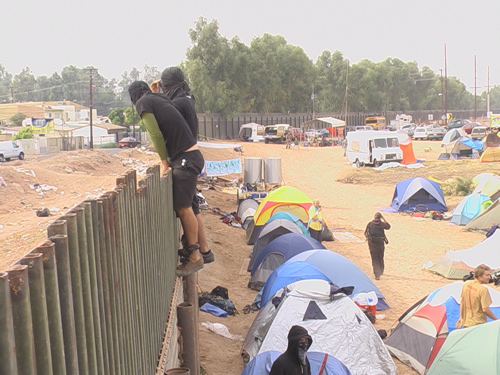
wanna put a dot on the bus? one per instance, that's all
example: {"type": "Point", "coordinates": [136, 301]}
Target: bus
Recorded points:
{"type": "Point", "coordinates": [376, 122]}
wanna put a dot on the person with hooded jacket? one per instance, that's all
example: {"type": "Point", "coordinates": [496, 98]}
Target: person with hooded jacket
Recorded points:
{"type": "Point", "coordinates": [294, 360]}
{"type": "Point", "coordinates": [375, 235]}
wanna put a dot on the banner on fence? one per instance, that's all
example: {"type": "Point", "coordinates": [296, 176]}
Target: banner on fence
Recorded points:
{"type": "Point", "coordinates": [222, 167]}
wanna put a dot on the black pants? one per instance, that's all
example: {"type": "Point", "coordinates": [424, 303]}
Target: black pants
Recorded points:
{"type": "Point", "coordinates": [316, 234]}
{"type": "Point", "coordinates": [377, 253]}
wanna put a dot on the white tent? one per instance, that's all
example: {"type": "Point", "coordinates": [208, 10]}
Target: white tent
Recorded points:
{"type": "Point", "coordinates": [451, 137]}
{"type": "Point", "coordinates": [331, 121]}
{"type": "Point", "coordinates": [337, 326]}
{"type": "Point", "coordinates": [458, 263]}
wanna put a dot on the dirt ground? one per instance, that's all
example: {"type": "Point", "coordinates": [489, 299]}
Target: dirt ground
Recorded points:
{"type": "Point", "coordinates": [349, 198]}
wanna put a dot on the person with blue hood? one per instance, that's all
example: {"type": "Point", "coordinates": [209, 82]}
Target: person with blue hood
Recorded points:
{"type": "Point", "coordinates": [294, 360]}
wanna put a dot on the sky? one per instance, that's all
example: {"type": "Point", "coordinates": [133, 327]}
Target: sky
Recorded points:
{"type": "Point", "coordinates": [117, 35]}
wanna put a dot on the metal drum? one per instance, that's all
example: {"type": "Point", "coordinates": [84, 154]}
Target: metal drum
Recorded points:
{"type": "Point", "coordinates": [272, 170]}
{"type": "Point", "coordinates": [253, 170]}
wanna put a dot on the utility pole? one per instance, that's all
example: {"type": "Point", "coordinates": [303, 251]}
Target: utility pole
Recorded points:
{"type": "Point", "coordinates": [475, 89]}
{"type": "Point", "coordinates": [91, 141]}
{"type": "Point", "coordinates": [445, 88]}
{"type": "Point", "coordinates": [488, 95]}
{"type": "Point", "coordinates": [11, 94]}
{"type": "Point", "coordinates": [442, 95]}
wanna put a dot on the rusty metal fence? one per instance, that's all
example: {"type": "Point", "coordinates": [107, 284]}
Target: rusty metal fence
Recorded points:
{"type": "Point", "coordinates": [95, 297]}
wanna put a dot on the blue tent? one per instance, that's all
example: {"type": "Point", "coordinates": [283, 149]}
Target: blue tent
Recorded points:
{"type": "Point", "coordinates": [263, 362]}
{"type": "Point", "coordinates": [337, 268]}
{"type": "Point", "coordinates": [418, 190]}
{"type": "Point", "coordinates": [291, 217]}
{"type": "Point", "coordinates": [277, 252]}
{"type": "Point", "coordinates": [470, 207]}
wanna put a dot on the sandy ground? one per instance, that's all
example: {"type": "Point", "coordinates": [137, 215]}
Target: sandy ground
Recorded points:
{"type": "Point", "coordinates": [321, 173]}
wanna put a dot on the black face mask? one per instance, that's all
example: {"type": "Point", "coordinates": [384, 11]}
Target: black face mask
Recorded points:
{"type": "Point", "coordinates": [304, 346]}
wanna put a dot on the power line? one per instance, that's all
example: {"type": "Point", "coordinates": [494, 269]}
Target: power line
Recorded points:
{"type": "Point", "coordinates": [43, 89]}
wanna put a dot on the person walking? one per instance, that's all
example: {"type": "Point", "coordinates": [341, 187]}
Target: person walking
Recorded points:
{"type": "Point", "coordinates": [475, 299]}
{"type": "Point", "coordinates": [375, 235]}
{"type": "Point", "coordinates": [177, 148]}
{"type": "Point", "coordinates": [315, 224]}
{"type": "Point", "coordinates": [294, 360]}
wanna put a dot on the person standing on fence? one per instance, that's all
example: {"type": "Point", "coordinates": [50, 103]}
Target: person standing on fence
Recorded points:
{"type": "Point", "coordinates": [315, 224]}
{"type": "Point", "coordinates": [175, 87]}
{"type": "Point", "coordinates": [178, 150]}
{"type": "Point", "coordinates": [375, 235]}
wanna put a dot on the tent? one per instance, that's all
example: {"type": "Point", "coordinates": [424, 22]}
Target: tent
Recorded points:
{"type": "Point", "coordinates": [457, 264]}
{"type": "Point", "coordinates": [338, 327]}
{"type": "Point", "coordinates": [252, 132]}
{"type": "Point", "coordinates": [417, 190]}
{"type": "Point", "coordinates": [486, 219]}
{"type": "Point", "coordinates": [291, 217]}
{"type": "Point", "coordinates": [423, 328]}
{"type": "Point", "coordinates": [491, 154]}
{"type": "Point", "coordinates": [451, 137]}
{"type": "Point", "coordinates": [469, 207]}
{"type": "Point", "coordinates": [262, 364]}
{"type": "Point", "coordinates": [464, 147]}
{"type": "Point", "coordinates": [487, 184]}
{"type": "Point", "coordinates": [287, 199]}
{"type": "Point", "coordinates": [339, 270]}
{"type": "Point", "coordinates": [269, 232]}
{"type": "Point", "coordinates": [406, 145]}
{"type": "Point", "coordinates": [475, 350]}
{"type": "Point", "coordinates": [277, 252]}
{"type": "Point", "coordinates": [246, 210]}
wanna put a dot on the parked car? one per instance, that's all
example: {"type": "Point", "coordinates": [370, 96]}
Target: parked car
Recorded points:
{"type": "Point", "coordinates": [129, 142]}
{"type": "Point", "coordinates": [457, 123]}
{"type": "Point", "coordinates": [10, 149]}
{"type": "Point", "coordinates": [422, 132]}
{"type": "Point", "coordinates": [312, 133]}
{"type": "Point", "coordinates": [436, 133]}
{"type": "Point", "coordinates": [298, 134]}
{"type": "Point", "coordinates": [479, 132]}
{"type": "Point", "coordinates": [362, 128]}
{"type": "Point", "coordinates": [469, 126]}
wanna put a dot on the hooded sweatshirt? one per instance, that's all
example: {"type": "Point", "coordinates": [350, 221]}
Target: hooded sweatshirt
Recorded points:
{"type": "Point", "coordinates": [289, 362]}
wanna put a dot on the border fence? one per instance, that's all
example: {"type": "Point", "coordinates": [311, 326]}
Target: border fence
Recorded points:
{"type": "Point", "coordinates": [95, 298]}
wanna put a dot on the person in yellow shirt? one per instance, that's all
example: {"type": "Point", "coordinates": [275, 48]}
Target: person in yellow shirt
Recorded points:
{"type": "Point", "coordinates": [315, 225]}
{"type": "Point", "coordinates": [475, 299]}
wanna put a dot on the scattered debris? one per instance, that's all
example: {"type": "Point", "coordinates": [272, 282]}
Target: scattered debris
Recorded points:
{"type": "Point", "coordinates": [2, 182]}
{"type": "Point", "coordinates": [44, 212]}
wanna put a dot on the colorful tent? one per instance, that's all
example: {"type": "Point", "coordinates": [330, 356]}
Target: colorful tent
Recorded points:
{"type": "Point", "coordinates": [451, 137]}
{"type": "Point", "coordinates": [284, 199]}
{"type": "Point", "coordinates": [486, 219]}
{"type": "Point", "coordinates": [457, 264]}
{"type": "Point", "coordinates": [423, 328]}
{"type": "Point", "coordinates": [337, 268]}
{"type": "Point", "coordinates": [418, 191]}
{"type": "Point", "coordinates": [246, 210]}
{"type": "Point", "coordinates": [262, 364]}
{"type": "Point", "coordinates": [469, 207]}
{"type": "Point", "coordinates": [269, 232]}
{"type": "Point", "coordinates": [491, 154]}
{"type": "Point", "coordinates": [277, 252]}
{"type": "Point", "coordinates": [408, 155]}
{"type": "Point", "coordinates": [337, 325]}
{"type": "Point", "coordinates": [474, 350]}
{"type": "Point", "coordinates": [291, 217]}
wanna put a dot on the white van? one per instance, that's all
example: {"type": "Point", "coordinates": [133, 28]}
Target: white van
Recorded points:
{"type": "Point", "coordinates": [10, 149]}
{"type": "Point", "coordinates": [373, 147]}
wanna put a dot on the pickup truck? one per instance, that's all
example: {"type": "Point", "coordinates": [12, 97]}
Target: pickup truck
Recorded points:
{"type": "Point", "coordinates": [276, 133]}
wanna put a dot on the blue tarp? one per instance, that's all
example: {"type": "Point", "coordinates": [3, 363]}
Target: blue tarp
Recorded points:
{"type": "Point", "coordinates": [289, 244]}
{"type": "Point", "coordinates": [469, 207]}
{"type": "Point", "coordinates": [418, 190]}
{"type": "Point", "coordinates": [335, 267]}
{"type": "Point", "coordinates": [262, 363]}
{"type": "Point", "coordinates": [472, 143]}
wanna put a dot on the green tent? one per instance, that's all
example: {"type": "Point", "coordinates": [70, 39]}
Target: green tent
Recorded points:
{"type": "Point", "coordinates": [474, 350]}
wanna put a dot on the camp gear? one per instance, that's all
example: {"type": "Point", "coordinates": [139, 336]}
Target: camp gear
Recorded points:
{"type": "Point", "coordinates": [216, 300]}
{"type": "Point", "coordinates": [423, 328]}
{"type": "Point", "coordinates": [346, 333]}
{"type": "Point", "coordinates": [417, 190]}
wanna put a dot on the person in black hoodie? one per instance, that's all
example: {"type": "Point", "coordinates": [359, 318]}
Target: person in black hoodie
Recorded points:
{"type": "Point", "coordinates": [294, 361]}
{"type": "Point", "coordinates": [375, 234]}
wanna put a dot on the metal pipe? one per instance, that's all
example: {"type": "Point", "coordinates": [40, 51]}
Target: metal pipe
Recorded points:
{"type": "Point", "coordinates": [22, 319]}
{"type": "Point", "coordinates": [86, 288]}
{"type": "Point", "coordinates": [185, 316]}
{"type": "Point", "coordinates": [191, 297]}
{"type": "Point", "coordinates": [8, 364]}
{"type": "Point", "coordinates": [53, 306]}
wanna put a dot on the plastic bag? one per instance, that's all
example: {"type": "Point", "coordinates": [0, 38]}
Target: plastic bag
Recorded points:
{"type": "Point", "coordinates": [366, 299]}
{"type": "Point", "coordinates": [222, 330]}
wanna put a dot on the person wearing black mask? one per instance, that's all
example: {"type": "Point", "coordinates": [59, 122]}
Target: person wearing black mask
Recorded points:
{"type": "Point", "coordinates": [294, 361]}
{"type": "Point", "coordinates": [177, 148]}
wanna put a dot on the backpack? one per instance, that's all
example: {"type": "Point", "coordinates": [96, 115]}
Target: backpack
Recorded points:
{"type": "Point", "coordinates": [223, 303]}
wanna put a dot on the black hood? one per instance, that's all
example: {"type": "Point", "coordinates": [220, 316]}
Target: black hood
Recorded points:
{"type": "Point", "coordinates": [294, 335]}
{"type": "Point", "coordinates": [137, 89]}
{"type": "Point", "coordinates": [173, 83]}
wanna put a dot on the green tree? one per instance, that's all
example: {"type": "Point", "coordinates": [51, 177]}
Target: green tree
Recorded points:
{"type": "Point", "coordinates": [117, 116]}
{"type": "Point", "coordinates": [24, 85]}
{"type": "Point", "coordinates": [5, 83]}
{"type": "Point", "coordinates": [17, 119]}
{"type": "Point", "coordinates": [131, 117]}
{"type": "Point", "coordinates": [25, 133]}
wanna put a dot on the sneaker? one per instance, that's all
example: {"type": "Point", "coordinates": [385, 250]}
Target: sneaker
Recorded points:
{"type": "Point", "coordinates": [208, 257]}
{"type": "Point", "coordinates": [190, 267]}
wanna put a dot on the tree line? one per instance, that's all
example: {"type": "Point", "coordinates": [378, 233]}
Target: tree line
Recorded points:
{"type": "Point", "coordinates": [268, 76]}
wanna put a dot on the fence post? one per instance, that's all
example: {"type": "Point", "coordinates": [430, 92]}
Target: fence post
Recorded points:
{"type": "Point", "coordinates": [8, 364]}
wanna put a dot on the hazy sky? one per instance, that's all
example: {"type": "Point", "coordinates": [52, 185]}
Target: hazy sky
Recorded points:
{"type": "Point", "coordinates": [117, 35]}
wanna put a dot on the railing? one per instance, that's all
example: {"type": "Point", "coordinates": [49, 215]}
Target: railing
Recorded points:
{"type": "Point", "coordinates": [95, 297]}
